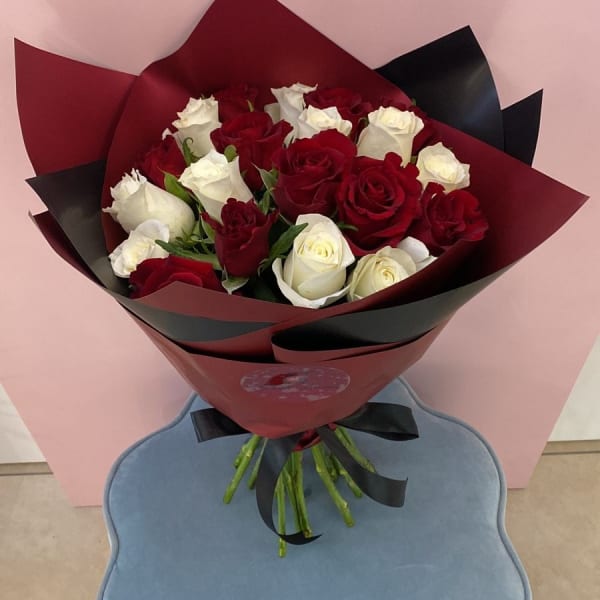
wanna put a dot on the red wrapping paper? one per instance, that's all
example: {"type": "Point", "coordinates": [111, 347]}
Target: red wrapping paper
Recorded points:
{"type": "Point", "coordinates": [275, 399]}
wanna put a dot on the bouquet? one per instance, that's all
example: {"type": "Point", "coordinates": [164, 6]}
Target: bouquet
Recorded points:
{"type": "Point", "coordinates": [289, 247]}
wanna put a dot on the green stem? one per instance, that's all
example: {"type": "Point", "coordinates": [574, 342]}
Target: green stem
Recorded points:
{"type": "Point", "coordinates": [238, 458]}
{"type": "Point", "coordinates": [338, 500]}
{"type": "Point", "coordinates": [331, 466]}
{"type": "Point", "coordinates": [280, 496]}
{"type": "Point", "coordinates": [298, 480]}
{"type": "Point", "coordinates": [289, 488]}
{"type": "Point", "coordinates": [343, 436]}
{"type": "Point", "coordinates": [347, 478]}
{"type": "Point", "coordinates": [256, 467]}
{"type": "Point", "coordinates": [247, 455]}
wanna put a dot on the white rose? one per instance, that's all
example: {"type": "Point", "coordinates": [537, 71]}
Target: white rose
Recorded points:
{"type": "Point", "coordinates": [389, 130]}
{"type": "Point", "coordinates": [196, 121]}
{"type": "Point", "coordinates": [290, 103]}
{"type": "Point", "coordinates": [273, 111]}
{"type": "Point", "coordinates": [438, 164]}
{"type": "Point", "coordinates": [417, 250]}
{"type": "Point", "coordinates": [139, 246]}
{"type": "Point", "coordinates": [313, 120]}
{"type": "Point", "coordinates": [136, 200]}
{"type": "Point", "coordinates": [314, 272]}
{"type": "Point", "coordinates": [214, 180]}
{"type": "Point", "coordinates": [378, 271]}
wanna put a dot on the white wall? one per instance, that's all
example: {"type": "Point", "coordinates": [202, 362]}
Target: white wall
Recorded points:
{"type": "Point", "coordinates": [580, 418]}
{"type": "Point", "coordinates": [16, 443]}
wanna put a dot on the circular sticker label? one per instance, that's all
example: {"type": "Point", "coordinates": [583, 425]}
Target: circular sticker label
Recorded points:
{"type": "Point", "coordinates": [294, 383]}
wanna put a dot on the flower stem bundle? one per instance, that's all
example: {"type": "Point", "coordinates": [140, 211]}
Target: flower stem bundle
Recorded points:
{"type": "Point", "coordinates": [290, 490]}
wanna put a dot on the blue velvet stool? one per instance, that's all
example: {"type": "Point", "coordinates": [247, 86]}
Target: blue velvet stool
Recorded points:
{"type": "Point", "coordinates": [172, 537]}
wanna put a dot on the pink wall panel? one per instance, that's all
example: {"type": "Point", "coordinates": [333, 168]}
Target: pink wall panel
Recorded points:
{"type": "Point", "coordinates": [507, 361]}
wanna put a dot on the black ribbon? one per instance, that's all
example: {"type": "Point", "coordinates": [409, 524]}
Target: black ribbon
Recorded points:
{"type": "Point", "coordinates": [388, 421]}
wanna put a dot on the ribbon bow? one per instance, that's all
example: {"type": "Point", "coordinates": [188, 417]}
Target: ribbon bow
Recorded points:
{"type": "Point", "coordinates": [389, 421]}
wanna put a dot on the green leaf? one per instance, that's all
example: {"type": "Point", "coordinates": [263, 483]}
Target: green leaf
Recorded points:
{"type": "Point", "coordinates": [231, 284]}
{"type": "Point", "coordinates": [197, 231]}
{"type": "Point", "coordinates": [282, 246]}
{"type": "Point", "coordinates": [188, 155]}
{"type": "Point", "coordinates": [230, 153]}
{"type": "Point", "coordinates": [178, 251]}
{"type": "Point", "coordinates": [269, 178]}
{"type": "Point", "coordinates": [173, 186]}
{"type": "Point", "coordinates": [341, 226]}
{"type": "Point", "coordinates": [209, 231]}
{"type": "Point", "coordinates": [265, 202]}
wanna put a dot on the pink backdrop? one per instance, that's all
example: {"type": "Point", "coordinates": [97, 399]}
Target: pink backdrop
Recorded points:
{"type": "Point", "coordinates": [506, 363]}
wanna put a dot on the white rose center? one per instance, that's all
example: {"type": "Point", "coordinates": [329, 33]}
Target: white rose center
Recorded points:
{"type": "Point", "coordinates": [321, 248]}
{"type": "Point", "coordinates": [214, 181]}
{"type": "Point", "coordinates": [387, 273]}
{"type": "Point", "coordinates": [397, 120]}
{"type": "Point", "coordinates": [443, 167]}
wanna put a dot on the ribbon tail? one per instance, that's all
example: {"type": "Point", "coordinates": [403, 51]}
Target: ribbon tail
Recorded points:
{"type": "Point", "coordinates": [277, 453]}
{"type": "Point", "coordinates": [210, 424]}
{"type": "Point", "coordinates": [384, 490]}
{"type": "Point", "coordinates": [385, 420]}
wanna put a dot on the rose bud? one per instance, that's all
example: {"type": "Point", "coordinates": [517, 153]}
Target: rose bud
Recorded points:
{"type": "Point", "coordinates": [213, 180]}
{"type": "Point", "coordinates": [235, 100]}
{"type": "Point", "coordinates": [165, 157]}
{"type": "Point", "coordinates": [314, 272]}
{"type": "Point", "coordinates": [156, 273]}
{"type": "Point", "coordinates": [375, 272]}
{"type": "Point", "coordinates": [389, 130]}
{"type": "Point", "coordinates": [380, 200]}
{"type": "Point", "coordinates": [196, 121]}
{"type": "Point", "coordinates": [448, 218]}
{"type": "Point", "coordinates": [242, 239]}
{"type": "Point", "coordinates": [255, 138]}
{"type": "Point", "coordinates": [139, 246]}
{"type": "Point", "coordinates": [310, 172]}
{"type": "Point", "coordinates": [137, 200]}
{"type": "Point", "coordinates": [438, 164]}
{"type": "Point", "coordinates": [314, 120]}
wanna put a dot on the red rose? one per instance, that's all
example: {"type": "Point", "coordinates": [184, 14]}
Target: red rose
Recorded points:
{"type": "Point", "coordinates": [448, 218]}
{"type": "Point", "coordinates": [350, 104]}
{"type": "Point", "coordinates": [242, 240]}
{"type": "Point", "coordinates": [235, 100]}
{"type": "Point", "coordinates": [255, 138]}
{"type": "Point", "coordinates": [156, 273]}
{"type": "Point", "coordinates": [165, 157]}
{"type": "Point", "coordinates": [428, 136]}
{"type": "Point", "coordinates": [381, 199]}
{"type": "Point", "coordinates": [310, 171]}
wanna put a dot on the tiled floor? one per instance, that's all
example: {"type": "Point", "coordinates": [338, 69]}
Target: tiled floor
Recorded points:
{"type": "Point", "coordinates": [50, 551]}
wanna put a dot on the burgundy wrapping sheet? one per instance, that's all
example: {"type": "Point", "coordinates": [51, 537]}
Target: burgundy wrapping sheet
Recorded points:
{"type": "Point", "coordinates": [273, 368]}
{"type": "Point", "coordinates": [276, 399]}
